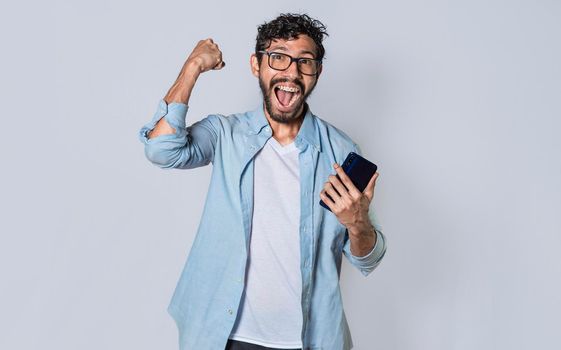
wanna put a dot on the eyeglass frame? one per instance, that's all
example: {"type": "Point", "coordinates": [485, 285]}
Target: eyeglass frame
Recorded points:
{"type": "Point", "coordinates": [292, 59]}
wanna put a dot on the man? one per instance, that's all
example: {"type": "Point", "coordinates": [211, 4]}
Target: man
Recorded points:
{"type": "Point", "coordinates": [263, 271]}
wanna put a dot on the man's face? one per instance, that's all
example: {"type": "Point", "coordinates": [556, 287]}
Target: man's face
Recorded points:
{"type": "Point", "coordinates": [284, 92]}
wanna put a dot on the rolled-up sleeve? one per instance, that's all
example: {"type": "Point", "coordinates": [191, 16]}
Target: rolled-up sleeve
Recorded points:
{"type": "Point", "coordinates": [188, 147]}
{"type": "Point", "coordinates": [366, 264]}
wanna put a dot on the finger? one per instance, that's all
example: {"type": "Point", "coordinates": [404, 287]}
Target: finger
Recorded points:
{"type": "Point", "coordinates": [328, 201]}
{"type": "Point", "coordinates": [219, 62]}
{"type": "Point", "coordinates": [329, 189]}
{"type": "Point", "coordinates": [334, 180]}
{"type": "Point", "coordinates": [353, 191]}
{"type": "Point", "coordinates": [220, 65]}
{"type": "Point", "coordinates": [369, 190]}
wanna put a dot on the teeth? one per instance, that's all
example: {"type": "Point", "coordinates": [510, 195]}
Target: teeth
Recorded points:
{"type": "Point", "coordinates": [288, 88]}
{"type": "Point", "coordinates": [292, 100]}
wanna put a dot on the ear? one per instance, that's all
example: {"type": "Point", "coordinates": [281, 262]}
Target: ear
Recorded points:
{"type": "Point", "coordinates": [254, 63]}
{"type": "Point", "coordinates": [320, 69]}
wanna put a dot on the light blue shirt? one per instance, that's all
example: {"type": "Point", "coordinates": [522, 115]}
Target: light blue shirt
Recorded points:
{"type": "Point", "coordinates": [207, 297]}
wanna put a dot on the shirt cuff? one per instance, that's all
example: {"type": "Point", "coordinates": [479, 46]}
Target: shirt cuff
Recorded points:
{"type": "Point", "coordinates": [377, 249]}
{"type": "Point", "coordinates": [174, 113]}
{"type": "Point", "coordinates": [366, 264]}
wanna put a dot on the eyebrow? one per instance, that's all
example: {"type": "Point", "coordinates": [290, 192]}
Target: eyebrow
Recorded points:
{"type": "Point", "coordinates": [282, 48]}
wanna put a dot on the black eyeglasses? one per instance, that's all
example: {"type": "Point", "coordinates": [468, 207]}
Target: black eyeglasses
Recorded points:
{"type": "Point", "coordinates": [281, 61]}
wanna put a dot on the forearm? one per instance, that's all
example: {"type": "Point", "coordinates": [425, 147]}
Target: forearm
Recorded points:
{"type": "Point", "coordinates": [180, 92]}
{"type": "Point", "coordinates": [362, 239]}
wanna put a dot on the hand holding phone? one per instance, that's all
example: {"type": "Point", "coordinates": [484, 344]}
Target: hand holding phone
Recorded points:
{"type": "Point", "coordinates": [359, 170]}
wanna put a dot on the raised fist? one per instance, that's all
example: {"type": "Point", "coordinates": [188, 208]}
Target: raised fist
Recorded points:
{"type": "Point", "coordinates": [207, 56]}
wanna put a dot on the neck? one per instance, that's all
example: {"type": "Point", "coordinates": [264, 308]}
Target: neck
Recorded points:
{"type": "Point", "coordinates": [285, 133]}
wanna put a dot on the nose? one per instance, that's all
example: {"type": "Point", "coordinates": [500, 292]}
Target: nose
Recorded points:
{"type": "Point", "coordinates": [293, 71]}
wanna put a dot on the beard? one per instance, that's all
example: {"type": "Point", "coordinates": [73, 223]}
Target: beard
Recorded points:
{"type": "Point", "coordinates": [298, 108]}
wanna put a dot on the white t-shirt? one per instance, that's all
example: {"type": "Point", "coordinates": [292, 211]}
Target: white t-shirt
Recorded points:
{"type": "Point", "coordinates": [271, 313]}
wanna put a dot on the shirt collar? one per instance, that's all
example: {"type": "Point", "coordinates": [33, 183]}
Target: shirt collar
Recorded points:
{"type": "Point", "coordinates": [308, 132]}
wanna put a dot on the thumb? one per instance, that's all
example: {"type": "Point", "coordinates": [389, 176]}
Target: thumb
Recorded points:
{"type": "Point", "coordinates": [369, 190]}
{"type": "Point", "coordinates": [220, 65]}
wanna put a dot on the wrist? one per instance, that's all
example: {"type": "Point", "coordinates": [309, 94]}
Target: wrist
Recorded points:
{"type": "Point", "coordinates": [363, 228]}
{"type": "Point", "coordinates": [363, 239]}
{"type": "Point", "coordinates": [363, 245]}
{"type": "Point", "coordinates": [193, 66]}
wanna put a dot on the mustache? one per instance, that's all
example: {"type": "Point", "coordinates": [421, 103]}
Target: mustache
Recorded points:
{"type": "Point", "coordinates": [286, 80]}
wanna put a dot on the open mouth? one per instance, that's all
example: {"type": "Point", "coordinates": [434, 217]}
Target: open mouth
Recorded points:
{"type": "Point", "coordinates": [286, 95]}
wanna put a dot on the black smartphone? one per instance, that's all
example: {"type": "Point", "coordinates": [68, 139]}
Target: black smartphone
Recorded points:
{"type": "Point", "coordinates": [359, 169]}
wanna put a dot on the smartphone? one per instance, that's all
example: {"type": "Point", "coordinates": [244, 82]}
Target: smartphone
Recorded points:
{"type": "Point", "coordinates": [359, 169]}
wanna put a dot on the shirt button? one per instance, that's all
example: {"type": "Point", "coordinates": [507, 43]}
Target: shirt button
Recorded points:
{"type": "Point", "coordinates": [230, 311]}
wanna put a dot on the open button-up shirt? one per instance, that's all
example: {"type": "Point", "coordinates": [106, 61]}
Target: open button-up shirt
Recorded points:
{"type": "Point", "coordinates": [208, 294]}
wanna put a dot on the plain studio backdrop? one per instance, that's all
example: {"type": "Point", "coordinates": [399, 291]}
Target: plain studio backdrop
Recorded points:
{"type": "Point", "coordinates": [458, 102]}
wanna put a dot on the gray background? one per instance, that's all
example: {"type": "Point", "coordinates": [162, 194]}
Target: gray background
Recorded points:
{"type": "Point", "coordinates": [457, 101]}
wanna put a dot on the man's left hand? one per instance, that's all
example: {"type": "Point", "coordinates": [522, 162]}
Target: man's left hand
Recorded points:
{"type": "Point", "coordinates": [349, 205]}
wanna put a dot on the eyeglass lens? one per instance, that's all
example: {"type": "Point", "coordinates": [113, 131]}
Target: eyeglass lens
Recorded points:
{"type": "Point", "coordinates": [281, 61]}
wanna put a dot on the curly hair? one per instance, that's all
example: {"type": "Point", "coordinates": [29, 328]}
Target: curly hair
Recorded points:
{"type": "Point", "coordinates": [289, 26]}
